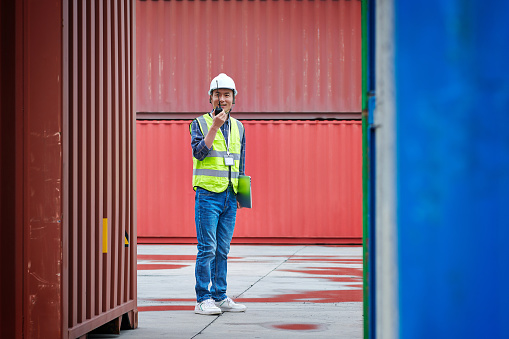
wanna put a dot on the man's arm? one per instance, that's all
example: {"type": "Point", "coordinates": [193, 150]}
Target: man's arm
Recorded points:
{"type": "Point", "coordinates": [200, 149]}
{"type": "Point", "coordinates": [202, 145]}
{"type": "Point", "coordinates": [216, 124]}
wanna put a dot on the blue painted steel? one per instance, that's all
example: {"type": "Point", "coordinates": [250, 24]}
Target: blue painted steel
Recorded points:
{"type": "Point", "coordinates": [371, 36]}
{"type": "Point", "coordinates": [371, 216]}
{"type": "Point", "coordinates": [452, 113]}
{"type": "Point", "coordinates": [371, 46]}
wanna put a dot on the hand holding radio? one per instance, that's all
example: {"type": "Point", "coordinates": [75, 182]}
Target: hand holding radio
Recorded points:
{"type": "Point", "coordinates": [218, 109]}
{"type": "Point", "coordinates": [219, 118]}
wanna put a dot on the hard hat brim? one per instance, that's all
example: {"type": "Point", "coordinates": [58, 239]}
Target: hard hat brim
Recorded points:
{"type": "Point", "coordinates": [213, 89]}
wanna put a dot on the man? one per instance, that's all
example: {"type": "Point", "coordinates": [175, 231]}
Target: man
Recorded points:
{"type": "Point", "coordinates": [218, 144]}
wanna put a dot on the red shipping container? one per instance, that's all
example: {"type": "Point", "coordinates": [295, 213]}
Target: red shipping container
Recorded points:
{"type": "Point", "coordinates": [67, 172]}
{"type": "Point", "coordinates": [306, 182]}
{"type": "Point", "coordinates": [299, 57]}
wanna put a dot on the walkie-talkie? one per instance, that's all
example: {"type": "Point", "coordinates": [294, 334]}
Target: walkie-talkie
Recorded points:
{"type": "Point", "coordinates": [218, 109]}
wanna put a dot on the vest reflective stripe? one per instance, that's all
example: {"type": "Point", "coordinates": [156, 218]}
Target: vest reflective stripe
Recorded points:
{"type": "Point", "coordinates": [203, 125]}
{"type": "Point", "coordinates": [214, 173]}
{"type": "Point", "coordinates": [221, 154]}
{"type": "Point", "coordinates": [205, 128]}
{"type": "Point", "coordinates": [211, 173]}
{"type": "Point", "coordinates": [241, 129]}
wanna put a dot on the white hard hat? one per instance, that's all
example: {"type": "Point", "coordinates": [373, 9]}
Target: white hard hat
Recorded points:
{"type": "Point", "coordinates": [222, 81]}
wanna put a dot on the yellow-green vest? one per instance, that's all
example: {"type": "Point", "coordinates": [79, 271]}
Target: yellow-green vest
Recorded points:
{"type": "Point", "coordinates": [211, 173]}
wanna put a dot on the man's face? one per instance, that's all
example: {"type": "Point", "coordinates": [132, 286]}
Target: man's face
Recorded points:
{"type": "Point", "coordinates": [223, 96]}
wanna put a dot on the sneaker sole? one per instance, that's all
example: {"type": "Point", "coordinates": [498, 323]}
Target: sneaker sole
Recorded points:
{"type": "Point", "coordinates": [233, 310]}
{"type": "Point", "coordinates": [208, 313]}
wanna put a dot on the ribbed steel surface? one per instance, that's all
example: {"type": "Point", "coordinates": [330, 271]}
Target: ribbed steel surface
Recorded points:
{"type": "Point", "coordinates": [285, 56]}
{"type": "Point", "coordinates": [67, 87]}
{"type": "Point", "coordinates": [99, 198]}
{"type": "Point", "coordinates": [11, 170]}
{"type": "Point", "coordinates": [306, 182]}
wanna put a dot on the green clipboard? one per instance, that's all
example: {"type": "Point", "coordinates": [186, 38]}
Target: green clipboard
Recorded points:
{"type": "Point", "coordinates": [244, 191]}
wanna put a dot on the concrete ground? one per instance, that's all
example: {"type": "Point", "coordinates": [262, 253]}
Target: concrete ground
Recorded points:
{"type": "Point", "coordinates": [296, 291]}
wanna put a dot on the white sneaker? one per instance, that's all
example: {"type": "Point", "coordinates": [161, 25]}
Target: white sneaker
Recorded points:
{"type": "Point", "coordinates": [207, 307]}
{"type": "Point", "coordinates": [228, 305]}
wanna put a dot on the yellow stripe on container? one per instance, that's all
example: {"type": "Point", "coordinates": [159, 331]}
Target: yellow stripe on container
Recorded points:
{"type": "Point", "coordinates": [105, 235]}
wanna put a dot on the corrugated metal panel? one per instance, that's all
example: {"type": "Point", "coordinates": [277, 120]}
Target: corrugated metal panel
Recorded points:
{"type": "Point", "coordinates": [164, 166]}
{"type": "Point", "coordinates": [42, 172]}
{"type": "Point", "coordinates": [101, 196]}
{"type": "Point", "coordinates": [307, 180]}
{"type": "Point", "coordinates": [285, 56]}
{"type": "Point", "coordinates": [306, 177]}
{"type": "Point", "coordinates": [72, 121]}
{"type": "Point", "coordinates": [11, 170]}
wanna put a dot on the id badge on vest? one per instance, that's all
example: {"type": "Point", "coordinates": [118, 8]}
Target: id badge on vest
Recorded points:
{"type": "Point", "coordinates": [228, 160]}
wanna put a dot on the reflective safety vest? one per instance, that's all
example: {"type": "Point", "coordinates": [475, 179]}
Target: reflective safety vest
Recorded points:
{"type": "Point", "coordinates": [211, 173]}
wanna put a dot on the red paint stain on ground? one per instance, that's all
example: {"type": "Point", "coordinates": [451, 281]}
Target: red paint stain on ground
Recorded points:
{"type": "Point", "coordinates": [171, 300]}
{"type": "Point", "coordinates": [160, 266]}
{"type": "Point", "coordinates": [166, 308]}
{"type": "Point", "coordinates": [341, 279]}
{"type": "Point", "coordinates": [334, 296]}
{"type": "Point", "coordinates": [336, 274]}
{"type": "Point", "coordinates": [348, 271]}
{"type": "Point", "coordinates": [318, 297]}
{"type": "Point", "coordinates": [169, 257]}
{"type": "Point", "coordinates": [296, 327]}
{"type": "Point", "coordinates": [328, 259]}
{"type": "Point", "coordinates": [331, 261]}
{"type": "Point", "coordinates": [166, 257]}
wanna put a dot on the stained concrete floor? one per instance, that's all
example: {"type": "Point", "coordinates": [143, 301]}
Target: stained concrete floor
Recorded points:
{"type": "Point", "coordinates": [296, 291]}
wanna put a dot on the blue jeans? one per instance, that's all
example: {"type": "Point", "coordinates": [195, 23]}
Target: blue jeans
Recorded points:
{"type": "Point", "coordinates": [215, 215]}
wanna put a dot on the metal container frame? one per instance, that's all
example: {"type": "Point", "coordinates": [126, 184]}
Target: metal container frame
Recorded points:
{"type": "Point", "coordinates": [289, 59]}
{"type": "Point", "coordinates": [68, 167]}
{"type": "Point", "coordinates": [315, 182]}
